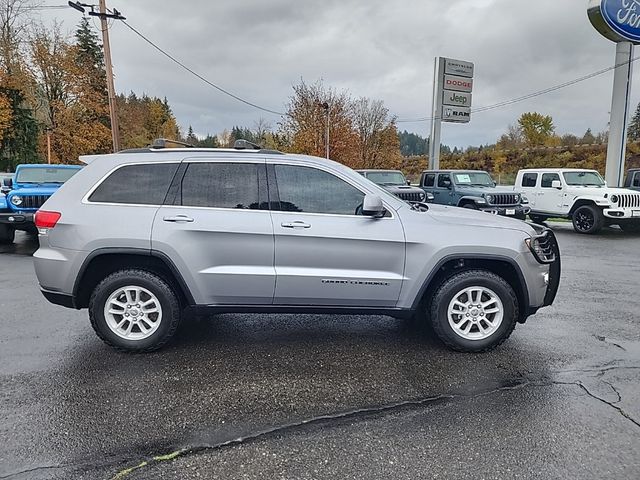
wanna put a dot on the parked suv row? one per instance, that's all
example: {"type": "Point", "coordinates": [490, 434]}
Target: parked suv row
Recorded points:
{"type": "Point", "coordinates": [141, 236]}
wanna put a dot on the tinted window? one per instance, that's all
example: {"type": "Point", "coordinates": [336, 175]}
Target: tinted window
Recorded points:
{"type": "Point", "coordinates": [548, 178]}
{"type": "Point", "coordinates": [636, 180]}
{"type": "Point", "coordinates": [444, 181]}
{"type": "Point", "coordinates": [305, 189]}
{"type": "Point", "coordinates": [221, 185]}
{"type": "Point", "coordinates": [529, 179]}
{"type": "Point", "coordinates": [139, 184]}
{"type": "Point", "coordinates": [429, 179]}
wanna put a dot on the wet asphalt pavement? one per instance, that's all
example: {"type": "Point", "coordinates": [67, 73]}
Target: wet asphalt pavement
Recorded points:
{"type": "Point", "coordinates": [313, 396]}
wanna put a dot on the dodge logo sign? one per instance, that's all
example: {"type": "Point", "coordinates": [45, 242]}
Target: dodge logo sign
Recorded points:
{"type": "Point", "coordinates": [459, 84]}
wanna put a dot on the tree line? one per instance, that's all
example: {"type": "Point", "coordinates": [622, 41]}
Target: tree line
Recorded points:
{"type": "Point", "coordinates": [53, 94]}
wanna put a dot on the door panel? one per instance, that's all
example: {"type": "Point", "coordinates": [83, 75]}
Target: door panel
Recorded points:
{"type": "Point", "coordinates": [224, 253]}
{"type": "Point", "coordinates": [338, 260]}
{"type": "Point", "coordinates": [549, 199]}
{"type": "Point", "coordinates": [333, 259]}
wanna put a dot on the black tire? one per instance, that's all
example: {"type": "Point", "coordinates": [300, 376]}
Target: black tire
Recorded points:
{"type": "Point", "coordinates": [451, 288]}
{"type": "Point", "coordinates": [537, 218]}
{"type": "Point", "coordinates": [7, 234]}
{"type": "Point", "coordinates": [169, 321]}
{"type": "Point", "coordinates": [471, 206]}
{"type": "Point", "coordinates": [630, 227]}
{"type": "Point", "coordinates": [587, 219]}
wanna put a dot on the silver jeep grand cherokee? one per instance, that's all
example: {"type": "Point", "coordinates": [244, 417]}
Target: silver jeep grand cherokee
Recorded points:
{"type": "Point", "coordinates": [141, 237]}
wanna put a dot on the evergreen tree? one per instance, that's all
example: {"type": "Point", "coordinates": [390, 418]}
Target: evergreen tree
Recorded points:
{"type": "Point", "coordinates": [633, 132]}
{"type": "Point", "coordinates": [20, 144]}
{"type": "Point", "coordinates": [89, 46]}
{"type": "Point", "coordinates": [191, 137]}
{"type": "Point", "coordinates": [588, 138]}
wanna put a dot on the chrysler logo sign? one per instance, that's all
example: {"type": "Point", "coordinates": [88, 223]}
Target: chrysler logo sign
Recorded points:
{"type": "Point", "coordinates": [618, 20]}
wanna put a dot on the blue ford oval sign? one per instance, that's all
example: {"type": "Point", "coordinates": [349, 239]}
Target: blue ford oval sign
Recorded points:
{"type": "Point", "coordinates": [623, 16]}
{"type": "Point", "coordinates": [618, 20]}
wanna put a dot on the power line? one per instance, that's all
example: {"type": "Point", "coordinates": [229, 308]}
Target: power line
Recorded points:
{"type": "Point", "coordinates": [554, 88]}
{"type": "Point", "coordinates": [178, 62]}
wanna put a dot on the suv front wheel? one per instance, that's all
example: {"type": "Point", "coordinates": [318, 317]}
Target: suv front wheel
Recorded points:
{"type": "Point", "coordinates": [588, 219]}
{"type": "Point", "coordinates": [474, 311]}
{"type": "Point", "coordinates": [134, 311]}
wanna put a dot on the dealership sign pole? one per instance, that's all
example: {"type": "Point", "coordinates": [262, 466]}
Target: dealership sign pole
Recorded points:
{"type": "Point", "coordinates": [619, 21]}
{"type": "Point", "coordinates": [452, 87]}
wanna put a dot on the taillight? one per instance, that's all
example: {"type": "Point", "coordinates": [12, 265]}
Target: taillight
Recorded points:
{"type": "Point", "coordinates": [44, 219]}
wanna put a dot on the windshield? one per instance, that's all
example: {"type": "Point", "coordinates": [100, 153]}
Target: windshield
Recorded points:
{"type": "Point", "coordinates": [45, 175]}
{"type": "Point", "coordinates": [482, 179]}
{"type": "Point", "coordinates": [387, 178]}
{"type": "Point", "coordinates": [590, 179]}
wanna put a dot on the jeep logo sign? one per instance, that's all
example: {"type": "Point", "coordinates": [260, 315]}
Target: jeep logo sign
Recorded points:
{"type": "Point", "coordinates": [618, 20]}
{"type": "Point", "coordinates": [459, 84]}
{"type": "Point", "coordinates": [458, 99]}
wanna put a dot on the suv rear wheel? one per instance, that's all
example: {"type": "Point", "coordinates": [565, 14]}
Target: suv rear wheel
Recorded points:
{"type": "Point", "coordinates": [134, 311]}
{"type": "Point", "coordinates": [587, 219]}
{"type": "Point", "coordinates": [474, 311]}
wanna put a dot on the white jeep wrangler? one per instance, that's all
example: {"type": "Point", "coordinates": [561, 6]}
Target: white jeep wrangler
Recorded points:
{"type": "Point", "coordinates": [580, 195]}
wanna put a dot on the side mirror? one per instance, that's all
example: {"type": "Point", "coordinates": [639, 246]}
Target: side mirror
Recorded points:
{"type": "Point", "coordinates": [408, 182]}
{"type": "Point", "coordinates": [372, 206]}
{"type": "Point", "coordinates": [9, 182]}
{"type": "Point", "coordinates": [556, 184]}
{"type": "Point", "coordinates": [447, 185]}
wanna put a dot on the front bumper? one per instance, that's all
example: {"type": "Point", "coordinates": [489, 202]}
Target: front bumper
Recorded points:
{"type": "Point", "coordinates": [507, 211]}
{"type": "Point", "coordinates": [622, 213]}
{"type": "Point", "coordinates": [19, 220]}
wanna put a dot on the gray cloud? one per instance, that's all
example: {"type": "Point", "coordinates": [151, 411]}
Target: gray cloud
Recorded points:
{"type": "Point", "coordinates": [379, 49]}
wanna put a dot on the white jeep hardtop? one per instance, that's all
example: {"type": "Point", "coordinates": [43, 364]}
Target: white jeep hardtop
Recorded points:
{"type": "Point", "coordinates": [580, 195]}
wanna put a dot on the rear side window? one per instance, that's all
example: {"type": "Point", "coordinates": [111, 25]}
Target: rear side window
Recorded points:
{"type": "Point", "coordinates": [548, 178]}
{"type": "Point", "coordinates": [429, 179]}
{"type": "Point", "coordinates": [222, 185]}
{"type": "Point", "coordinates": [136, 184]}
{"type": "Point", "coordinates": [529, 179]}
{"type": "Point", "coordinates": [636, 180]}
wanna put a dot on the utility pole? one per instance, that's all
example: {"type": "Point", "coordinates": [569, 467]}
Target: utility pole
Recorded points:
{"type": "Point", "coordinates": [104, 16]}
{"type": "Point", "coordinates": [48, 145]}
{"type": "Point", "coordinates": [113, 109]}
{"type": "Point", "coordinates": [325, 105]}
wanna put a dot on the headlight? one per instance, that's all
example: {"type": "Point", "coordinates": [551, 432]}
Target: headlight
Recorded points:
{"type": "Point", "coordinates": [16, 200]}
{"type": "Point", "coordinates": [489, 198]}
{"type": "Point", "coordinates": [422, 197]}
{"type": "Point", "coordinates": [538, 250]}
{"type": "Point", "coordinates": [524, 199]}
{"type": "Point", "coordinates": [614, 199]}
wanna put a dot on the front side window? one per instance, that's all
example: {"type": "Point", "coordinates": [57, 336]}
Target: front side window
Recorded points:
{"type": "Point", "coordinates": [429, 180]}
{"type": "Point", "coordinates": [145, 184]}
{"type": "Point", "coordinates": [307, 189]}
{"type": "Point", "coordinates": [548, 179]}
{"type": "Point", "coordinates": [584, 179]}
{"type": "Point", "coordinates": [444, 181]}
{"type": "Point", "coordinates": [221, 185]}
{"type": "Point", "coordinates": [529, 179]}
{"type": "Point", "coordinates": [636, 180]}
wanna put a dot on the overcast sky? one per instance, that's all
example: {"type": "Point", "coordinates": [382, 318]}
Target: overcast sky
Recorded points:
{"type": "Point", "coordinates": [381, 49]}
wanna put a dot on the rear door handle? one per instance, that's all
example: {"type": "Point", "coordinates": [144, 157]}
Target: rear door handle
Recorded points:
{"type": "Point", "coordinates": [178, 219]}
{"type": "Point", "coordinates": [296, 224]}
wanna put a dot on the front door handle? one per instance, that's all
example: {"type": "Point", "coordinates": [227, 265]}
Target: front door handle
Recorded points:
{"type": "Point", "coordinates": [296, 224]}
{"type": "Point", "coordinates": [178, 219]}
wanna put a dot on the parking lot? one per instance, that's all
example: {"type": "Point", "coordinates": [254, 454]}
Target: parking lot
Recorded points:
{"type": "Point", "coordinates": [313, 396]}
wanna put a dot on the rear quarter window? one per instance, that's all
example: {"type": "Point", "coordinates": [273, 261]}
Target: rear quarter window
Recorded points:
{"type": "Point", "coordinates": [145, 184]}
